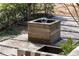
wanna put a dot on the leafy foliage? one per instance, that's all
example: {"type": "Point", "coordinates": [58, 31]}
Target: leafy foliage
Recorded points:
{"type": "Point", "coordinates": [12, 12]}
{"type": "Point", "coordinates": [69, 46]}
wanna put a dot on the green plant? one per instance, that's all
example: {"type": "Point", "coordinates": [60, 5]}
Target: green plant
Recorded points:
{"type": "Point", "coordinates": [11, 13]}
{"type": "Point", "coordinates": [68, 46]}
{"type": "Point", "coordinates": [9, 31]}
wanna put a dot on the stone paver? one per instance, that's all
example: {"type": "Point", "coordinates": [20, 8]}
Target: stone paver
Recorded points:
{"type": "Point", "coordinates": [74, 52]}
{"type": "Point", "coordinates": [21, 44]}
{"type": "Point", "coordinates": [22, 37]}
{"type": "Point", "coordinates": [63, 41]}
{"type": "Point", "coordinates": [65, 35]}
{"type": "Point", "coordinates": [69, 28]}
{"type": "Point", "coordinates": [6, 38]}
{"type": "Point", "coordinates": [1, 54]}
{"type": "Point", "coordinates": [8, 51]}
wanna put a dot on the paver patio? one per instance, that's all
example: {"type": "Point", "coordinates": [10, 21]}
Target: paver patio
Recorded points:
{"type": "Point", "coordinates": [69, 28]}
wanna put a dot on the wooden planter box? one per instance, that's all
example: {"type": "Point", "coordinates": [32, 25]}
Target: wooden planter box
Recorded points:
{"type": "Point", "coordinates": [45, 33]}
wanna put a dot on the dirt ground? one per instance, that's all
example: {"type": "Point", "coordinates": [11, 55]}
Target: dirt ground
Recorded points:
{"type": "Point", "coordinates": [60, 9]}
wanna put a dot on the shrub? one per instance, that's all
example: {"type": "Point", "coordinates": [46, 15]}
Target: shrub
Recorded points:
{"type": "Point", "coordinates": [12, 12]}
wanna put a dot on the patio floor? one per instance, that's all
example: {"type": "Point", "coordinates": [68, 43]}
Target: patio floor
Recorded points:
{"type": "Point", "coordinates": [69, 28]}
